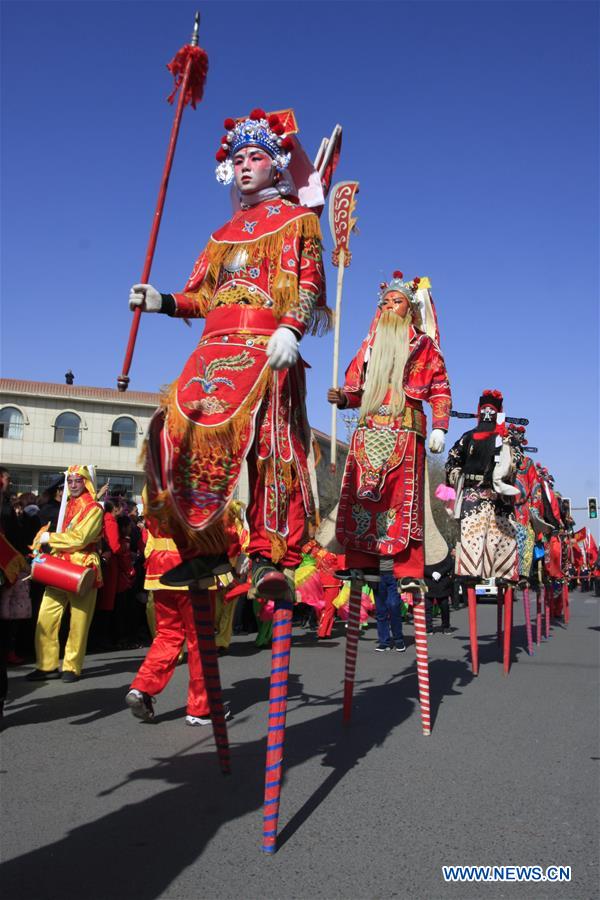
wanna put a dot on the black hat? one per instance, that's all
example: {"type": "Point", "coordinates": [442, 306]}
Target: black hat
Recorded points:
{"type": "Point", "coordinates": [57, 484]}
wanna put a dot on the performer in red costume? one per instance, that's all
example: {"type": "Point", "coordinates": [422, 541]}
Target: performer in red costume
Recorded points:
{"type": "Point", "coordinates": [397, 367]}
{"type": "Point", "coordinates": [174, 626]}
{"type": "Point", "coordinates": [241, 396]}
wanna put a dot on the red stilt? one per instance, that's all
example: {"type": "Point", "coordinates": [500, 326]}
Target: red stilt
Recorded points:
{"type": "Point", "coordinates": [548, 600]}
{"type": "Point", "coordinates": [205, 629]}
{"type": "Point", "coordinates": [508, 611]}
{"type": "Point", "coordinates": [472, 601]}
{"type": "Point", "coordinates": [527, 612]}
{"type": "Point", "coordinates": [538, 615]}
{"type": "Point", "coordinates": [351, 645]}
{"type": "Point", "coordinates": [278, 694]}
{"type": "Point", "coordinates": [499, 605]}
{"type": "Point", "coordinates": [566, 608]}
{"type": "Point", "coordinates": [422, 661]}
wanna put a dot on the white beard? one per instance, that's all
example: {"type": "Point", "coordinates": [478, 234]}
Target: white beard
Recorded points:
{"type": "Point", "coordinates": [386, 365]}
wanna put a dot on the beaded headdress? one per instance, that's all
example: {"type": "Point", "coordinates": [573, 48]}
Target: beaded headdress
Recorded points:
{"type": "Point", "coordinates": [260, 129]}
{"type": "Point", "coordinates": [408, 288]}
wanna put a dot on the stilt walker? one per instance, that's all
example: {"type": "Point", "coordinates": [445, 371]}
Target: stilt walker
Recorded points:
{"type": "Point", "coordinates": [398, 366]}
{"type": "Point", "coordinates": [472, 602]}
{"type": "Point", "coordinates": [240, 400]}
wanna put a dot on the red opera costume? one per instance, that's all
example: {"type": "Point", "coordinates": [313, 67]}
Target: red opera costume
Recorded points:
{"type": "Point", "coordinates": [262, 270]}
{"type": "Point", "coordinates": [381, 506]}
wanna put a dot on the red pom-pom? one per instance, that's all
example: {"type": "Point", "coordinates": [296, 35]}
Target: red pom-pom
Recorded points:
{"type": "Point", "coordinates": [417, 280]}
{"type": "Point", "coordinates": [397, 274]}
{"type": "Point", "coordinates": [287, 144]}
{"type": "Point", "coordinates": [229, 124]}
{"type": "Point", "coordinates": [273, 121]}
{"type": "Point", "coordinates": [278, 128]}
{"type": "Point", "coordinates": [224, 139]}
{"type": "Point", "coordinates": [258, 113]}
{"type": "Point", "coordinates": [221, 155]}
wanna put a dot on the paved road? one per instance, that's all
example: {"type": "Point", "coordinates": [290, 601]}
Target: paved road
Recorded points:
{"type": "Point", "coordinates": [98, 806]}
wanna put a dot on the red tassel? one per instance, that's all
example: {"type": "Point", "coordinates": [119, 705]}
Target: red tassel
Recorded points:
{"type": "Point", "coordinates": [198, 71]}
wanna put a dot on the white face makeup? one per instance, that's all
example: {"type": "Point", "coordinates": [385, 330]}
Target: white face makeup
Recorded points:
{"type": "Point", "coordinates": [253, 170]}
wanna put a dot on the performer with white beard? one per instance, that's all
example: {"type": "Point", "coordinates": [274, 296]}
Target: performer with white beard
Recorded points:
{"type": "Point", "coordinates": [398, 366]}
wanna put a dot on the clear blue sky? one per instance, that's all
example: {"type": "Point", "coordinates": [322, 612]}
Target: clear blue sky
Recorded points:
{"type": "Point", "coordinates": [472, 128]}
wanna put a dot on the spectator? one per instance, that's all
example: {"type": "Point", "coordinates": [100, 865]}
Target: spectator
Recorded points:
{"type": "Point", "coordinates": [388, 609]}
{"type": "Point", "coordinates": [50, 501]}
{"type": "Point", "coordinates": [439, 581]}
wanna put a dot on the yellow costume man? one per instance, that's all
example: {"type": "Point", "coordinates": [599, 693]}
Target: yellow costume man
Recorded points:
{"type": "Point", "coordinates": [77, 541]}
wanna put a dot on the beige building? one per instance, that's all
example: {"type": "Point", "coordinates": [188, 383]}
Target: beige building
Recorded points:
{"type": "Point", "coordinates": [46, 427]}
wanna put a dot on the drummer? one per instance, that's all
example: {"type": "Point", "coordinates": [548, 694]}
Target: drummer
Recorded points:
{"type": "Point", "coordinates": [77, 542]}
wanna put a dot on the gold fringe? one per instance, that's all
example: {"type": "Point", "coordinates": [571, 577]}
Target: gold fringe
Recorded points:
{"type": "Point", "coordinates": [278, 546]}
{"type": "Point", "coordinates": [321, 321]}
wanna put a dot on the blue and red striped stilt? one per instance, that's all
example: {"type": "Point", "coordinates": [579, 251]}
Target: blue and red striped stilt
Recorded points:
{"type": "Point", "coordinates": [205, 629]}
{"type": "Point", "coordinates": [278, 695]}
{"type": "Point", "coordinates": [527, 613]}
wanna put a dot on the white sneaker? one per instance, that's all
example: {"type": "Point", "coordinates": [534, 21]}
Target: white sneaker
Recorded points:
{"type": "Point", "coordinates": [140, 704]}
{"type": "Point", "coordinates": [206, 720]}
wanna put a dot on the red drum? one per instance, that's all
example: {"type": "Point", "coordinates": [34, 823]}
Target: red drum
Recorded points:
{"type": "Point", "coordinates": [60, 573]}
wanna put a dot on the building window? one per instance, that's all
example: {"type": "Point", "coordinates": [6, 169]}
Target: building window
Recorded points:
{"type": "Point", "coordinates": [11, 423]}
{"type": "Point", "coordinates": [21, 481]}
{"type": "Point", "coordinates": [67, 429]}
{"type": "Point", "coordinates": [123, 433]}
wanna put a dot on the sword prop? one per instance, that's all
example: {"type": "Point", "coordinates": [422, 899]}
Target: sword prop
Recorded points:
{"type": "Point", "coordinates": [189, 67]}
{"type": "Point", "coordinates": [511, 419]}
{"type": "Point", "coordinates": [342, 204]}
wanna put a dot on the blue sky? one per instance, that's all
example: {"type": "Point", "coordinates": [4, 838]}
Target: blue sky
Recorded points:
{"type": "Point", "coordinates": [472, 128]}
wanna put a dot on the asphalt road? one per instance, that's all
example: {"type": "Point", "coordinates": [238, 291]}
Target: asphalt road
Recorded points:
{"type": "Point", "coordinates": [97, 805]}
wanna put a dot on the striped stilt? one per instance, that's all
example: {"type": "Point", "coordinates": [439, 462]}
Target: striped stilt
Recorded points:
{"type": "Point", "coordinates": [351, 645]}
{"type": "Point", "coordinates": [548, 600]}
{"type": "Point", "coordinates": [527, 612]}
{"type": "Point", "coordinates": [508, 611]}
{"type": "Point", "coordinates": [472, 601]}
{"type": "Point", "coordinates": [278, 695]}
{"type": "Point", "coordinates": [422, 660]}
{"type": "Point", "coordinates": [566, 609]}
{"type": "Point", "coordinates": [538, 614]}
{"type": "Point", "coordinates": [205, 629]}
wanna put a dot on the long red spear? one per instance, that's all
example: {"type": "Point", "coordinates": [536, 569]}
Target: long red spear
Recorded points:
{"type": "Point", "coordinates": [188, 67]}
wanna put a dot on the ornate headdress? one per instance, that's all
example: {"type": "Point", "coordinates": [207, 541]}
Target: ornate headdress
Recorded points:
{"type": "Point", "coordinates": [491, 398]}
{"type": "Point", "coordinates": [408, 288]}
{"type": "Point", "coordinates": [516, 434]}
{"type": "Point", "coordinates": [89, 476]}
{"type": "Point", "coordinates": [260, 129]}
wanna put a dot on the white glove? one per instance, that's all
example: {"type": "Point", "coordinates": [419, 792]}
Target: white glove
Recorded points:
{"type": "Point", "coordinates": [146, 296]}
{"type": "Point", "coordinates": [502, 470]}
{"type": "Point", "coordinates": [282, 349]}
{"type": "Point", "coordinates": [437, 440]}
{"type": "Point", "coordinates": [242, 566]}
{"type": "Point", "coordinates": [45, 537]}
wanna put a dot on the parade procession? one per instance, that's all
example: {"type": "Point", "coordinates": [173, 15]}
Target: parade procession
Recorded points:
{"type": "Point", "coordinates": [298, 582]}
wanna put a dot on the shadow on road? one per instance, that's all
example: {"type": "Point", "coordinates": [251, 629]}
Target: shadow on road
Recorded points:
{"type": "Point", "coordinates": [126, 853]}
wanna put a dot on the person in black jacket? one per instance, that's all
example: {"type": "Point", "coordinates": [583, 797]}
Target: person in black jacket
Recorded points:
{"type": "Point", "coordinates": [50, 507]}
{"type": "Point", "coordinates": [439, 580]}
